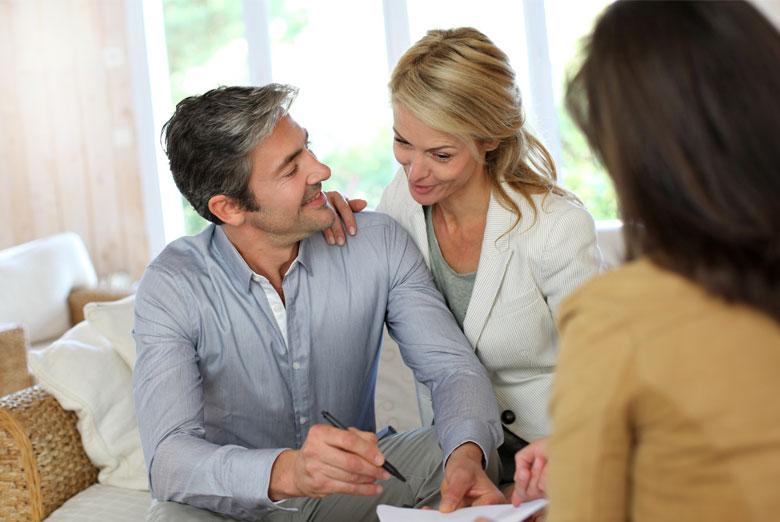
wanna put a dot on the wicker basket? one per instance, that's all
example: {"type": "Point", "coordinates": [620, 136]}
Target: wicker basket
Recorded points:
{"type": "Point", "coordinates": [42, 461]}
{"type": "Point", "coordinates": [13, 359]}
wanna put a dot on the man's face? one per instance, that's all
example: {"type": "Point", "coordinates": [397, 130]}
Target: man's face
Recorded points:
{"type": "Point", "coordinates": [286, 181]}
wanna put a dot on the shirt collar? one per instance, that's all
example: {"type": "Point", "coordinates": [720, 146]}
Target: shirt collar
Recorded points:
{"type": "Point", "coordinates": [238, 267]}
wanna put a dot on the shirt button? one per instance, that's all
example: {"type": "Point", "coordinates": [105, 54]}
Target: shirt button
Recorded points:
{"type": "Point", "coordinates": [296, 366]}
{"type": "Point", "coordinates": [303, 420]}
{"type": "Point", "coordinates": [507, 416]}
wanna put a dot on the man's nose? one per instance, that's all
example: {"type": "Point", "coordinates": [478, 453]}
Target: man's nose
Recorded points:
{"type": "Point", "coordinates": [319, 173]}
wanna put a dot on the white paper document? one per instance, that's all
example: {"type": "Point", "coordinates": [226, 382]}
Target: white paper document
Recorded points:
{"type": "Point", "coordinates": [499, 513]}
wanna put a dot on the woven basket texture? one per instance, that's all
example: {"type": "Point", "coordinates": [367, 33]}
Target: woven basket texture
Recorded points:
{"type": "Point", "coordinates": [42, 461]}
{"type": "Point", "coordinates": [79, 297]}
{"type": "Point", "coordinates": [13, 360]}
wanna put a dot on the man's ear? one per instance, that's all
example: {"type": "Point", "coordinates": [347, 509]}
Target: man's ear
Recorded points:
{"type": "Point", "coordinates": [227, 209]}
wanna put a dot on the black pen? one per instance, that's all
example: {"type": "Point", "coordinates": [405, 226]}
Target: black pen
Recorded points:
{"type": "Point", "coordinates": [333, 421]}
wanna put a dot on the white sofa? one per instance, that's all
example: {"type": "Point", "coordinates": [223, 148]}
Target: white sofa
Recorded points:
{"type": "Point", "coordinates": [88, 371]}
{"type": "Point", "coordinates": [44, 285]}
{"type": "Point", "coordinates": [36, 279]}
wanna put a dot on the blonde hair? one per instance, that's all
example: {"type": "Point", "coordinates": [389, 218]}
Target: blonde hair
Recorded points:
{"type": "Point", "coordinates": [458, 82]}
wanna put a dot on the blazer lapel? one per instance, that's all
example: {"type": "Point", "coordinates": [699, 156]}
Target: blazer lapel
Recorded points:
{"type": "Point", "coordinates": [493, 261]}
{"type": "Point", "coordinates": [413, 217]}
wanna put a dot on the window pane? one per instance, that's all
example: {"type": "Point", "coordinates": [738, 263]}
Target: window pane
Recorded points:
{"type": "Point", "coordinates": [206, 49]}
{"type": "Point", "coordinates": [335, 53]}
{"type": "Point", "coordinates": [567, 24]}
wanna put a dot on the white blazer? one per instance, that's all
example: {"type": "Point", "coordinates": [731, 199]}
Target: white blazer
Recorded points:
{"type": "Point", "coordinates": [521, 279]}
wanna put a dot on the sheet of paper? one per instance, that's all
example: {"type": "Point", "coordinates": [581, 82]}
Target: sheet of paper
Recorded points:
{"type": "Point", "coordinates": [499, 513]}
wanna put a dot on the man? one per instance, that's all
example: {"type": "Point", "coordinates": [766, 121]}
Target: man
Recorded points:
{"type": "Point", "coordinates": [248, 331]}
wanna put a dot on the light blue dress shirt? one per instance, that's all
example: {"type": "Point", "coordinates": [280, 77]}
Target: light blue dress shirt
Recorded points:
{"type": "Point", "coordinates": [218, 392]}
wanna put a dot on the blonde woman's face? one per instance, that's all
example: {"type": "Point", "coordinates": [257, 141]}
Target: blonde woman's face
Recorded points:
{"type": "Point", "coordinates": [437, 165]}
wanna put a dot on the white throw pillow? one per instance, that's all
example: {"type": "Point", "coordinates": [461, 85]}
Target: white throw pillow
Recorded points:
{"type": "Point", "coordinates": [37, 277]}
{"type": "Point", "coordinates": [86, 375]}
{"type": "Point", "coordinates": [114, 321]}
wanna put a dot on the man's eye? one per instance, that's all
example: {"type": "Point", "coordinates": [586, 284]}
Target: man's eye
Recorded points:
{"type": "Point", "coordinates": [308, 146]}
{"type": "Point", "coordinates": [292, 172]}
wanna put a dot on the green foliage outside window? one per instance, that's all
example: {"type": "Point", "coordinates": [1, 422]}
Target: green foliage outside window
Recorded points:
{"type": "Point", "coordinates": [583, 174]}
{"type": "Point", "coordinates": [364, 171]}
{"type": "Point", "coordinates": [194, 31]}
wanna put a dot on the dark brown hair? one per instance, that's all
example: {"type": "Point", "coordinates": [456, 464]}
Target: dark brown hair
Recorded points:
{"type": "Point", "coordinates": [681, 102]}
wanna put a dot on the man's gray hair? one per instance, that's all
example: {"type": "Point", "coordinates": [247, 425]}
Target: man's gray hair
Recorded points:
{"type": "Point", "coordinates": [210, 137]}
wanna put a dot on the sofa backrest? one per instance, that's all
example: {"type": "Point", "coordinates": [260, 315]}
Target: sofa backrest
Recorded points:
{"type": "Point", "coordinates": [609, 235]}
{"type": "Point", "coordinates": [35, 280]}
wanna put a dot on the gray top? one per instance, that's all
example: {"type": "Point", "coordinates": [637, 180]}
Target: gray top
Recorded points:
{"type": "Point", "coordinates": [456, 287]}
{"type": "Point", "coordinates": [219, 394]}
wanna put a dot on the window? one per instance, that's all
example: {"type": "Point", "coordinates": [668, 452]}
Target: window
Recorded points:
{"type": "Point", "coordinates": [568, 23]}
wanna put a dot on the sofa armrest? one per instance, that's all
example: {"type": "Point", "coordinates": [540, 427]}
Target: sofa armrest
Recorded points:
{"type": "Point", "coordinates": [79, 297]}
{"type": "Point", "coordinates": [42, 461]}
{"type": "Point", "coordinates": [13, 359]}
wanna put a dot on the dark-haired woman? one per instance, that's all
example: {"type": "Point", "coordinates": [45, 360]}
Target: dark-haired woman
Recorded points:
{"type": "Point", "coordinates": [666, 404]}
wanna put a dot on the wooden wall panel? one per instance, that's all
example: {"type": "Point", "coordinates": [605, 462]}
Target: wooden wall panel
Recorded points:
{"type": "Point", "coordinates": [67, 136]}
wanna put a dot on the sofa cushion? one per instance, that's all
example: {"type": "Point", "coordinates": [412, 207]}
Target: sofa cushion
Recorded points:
{"type": "Point", "coordinates": [37, 277]}
{"type": "Point", "coordinates": [114, 321]}
{"type": "Point", "coordinates": [86, 375]}
{"type": "Point", "coordinates": [99, 503]}
{"type": "Point", "coordinates": [609, 234]}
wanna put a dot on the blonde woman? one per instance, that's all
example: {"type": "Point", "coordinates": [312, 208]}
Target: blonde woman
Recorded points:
{"type": "Point", "coordinates": [478, 194]}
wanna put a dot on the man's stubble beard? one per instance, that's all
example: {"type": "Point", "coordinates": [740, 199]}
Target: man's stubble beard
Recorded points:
{"type": "Point", "coordinates": [305, 226]}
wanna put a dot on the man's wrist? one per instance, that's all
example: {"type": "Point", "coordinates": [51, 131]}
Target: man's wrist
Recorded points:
{"type": "Point", "coordinates": [282, 483]}
{"type": "Point", "coordinates": [468, 451]}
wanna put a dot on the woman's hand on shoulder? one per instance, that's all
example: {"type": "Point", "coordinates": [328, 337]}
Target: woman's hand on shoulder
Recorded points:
{"type": "Point", "coordinates": [345, 210]}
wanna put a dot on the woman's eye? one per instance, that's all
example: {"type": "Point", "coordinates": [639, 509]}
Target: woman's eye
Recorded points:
{"type": "Point", "coordinates": [441, 156]}
{"type": "Point", "coordinates": [401, 141]}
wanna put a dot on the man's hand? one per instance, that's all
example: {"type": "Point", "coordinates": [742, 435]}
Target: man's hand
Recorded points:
{"type": "Point", "coordinates": [330, 461]}
{"type": "Point", "coordinates": [345, 217]}
{"type": "Point", "coordinates": [530, 472]}
{"type": "Point", "coordinates": [465, 481]}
